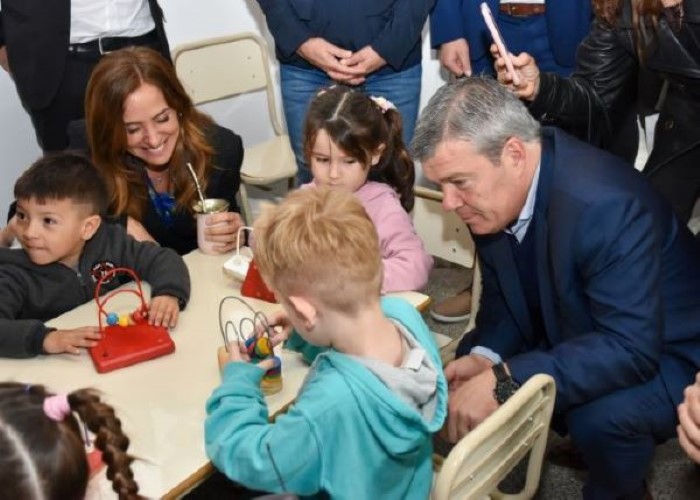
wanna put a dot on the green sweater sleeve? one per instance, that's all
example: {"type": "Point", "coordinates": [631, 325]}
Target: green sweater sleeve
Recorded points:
{"type": "Point", "coordinates": [246, 447]}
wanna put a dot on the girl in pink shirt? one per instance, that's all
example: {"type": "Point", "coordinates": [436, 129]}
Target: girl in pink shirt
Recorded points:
{"type": "Point", "coordinates": [353, 142]}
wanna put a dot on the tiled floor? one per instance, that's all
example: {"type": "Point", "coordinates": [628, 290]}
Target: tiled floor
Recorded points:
{"type": "Point", "coordinates": [672, 477]}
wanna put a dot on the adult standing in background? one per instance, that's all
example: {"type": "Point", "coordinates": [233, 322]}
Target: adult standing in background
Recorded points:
{"type": "Point", "coordinates": [659, 36]}
{"type": "Point", "coordinates": [374, 45]}
{"type": "Point", "coordinates": [552, 29]}
{"type": "Point", "coordinates": [50, 47]}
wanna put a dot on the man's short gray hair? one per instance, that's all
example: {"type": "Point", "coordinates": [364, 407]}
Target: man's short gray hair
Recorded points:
{"type": "Point", "coordinates": [479, 110]}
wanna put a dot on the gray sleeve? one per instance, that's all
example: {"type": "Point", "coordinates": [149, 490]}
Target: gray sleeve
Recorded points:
{"type": "Point", "coordinates": [162, 267]}
{"type": "Point", "coordinates": [19, 338]}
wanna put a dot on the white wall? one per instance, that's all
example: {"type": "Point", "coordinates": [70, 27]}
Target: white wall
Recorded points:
{"type": "Point", "coordinates": [186, 20]}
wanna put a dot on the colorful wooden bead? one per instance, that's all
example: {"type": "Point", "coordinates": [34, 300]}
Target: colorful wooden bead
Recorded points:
{"type": "Point", "coordinates": [124, 320]}
{"type": "Point", "coordinates": [112, 319]}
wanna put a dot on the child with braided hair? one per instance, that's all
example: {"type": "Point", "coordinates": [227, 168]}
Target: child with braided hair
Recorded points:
{"type": "Point", "coordinates": [42, 452]}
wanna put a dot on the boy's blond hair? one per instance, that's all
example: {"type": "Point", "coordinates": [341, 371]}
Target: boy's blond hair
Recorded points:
{"type": "Point", "coordinates": [320, 242]}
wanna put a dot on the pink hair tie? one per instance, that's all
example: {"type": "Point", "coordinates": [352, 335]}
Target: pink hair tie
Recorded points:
{"type": "Point", "coordinates": [57, 407]}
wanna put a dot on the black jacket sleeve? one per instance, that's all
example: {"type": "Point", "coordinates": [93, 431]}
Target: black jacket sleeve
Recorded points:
{"type": "Point", "coordinates": [599, 92]}
{"type": "Point", "coordinates": [225, 179]}
{"type": "Point", "coordinates": [162, 267]}
{"type": "Point", "coordinates": [19, 338]}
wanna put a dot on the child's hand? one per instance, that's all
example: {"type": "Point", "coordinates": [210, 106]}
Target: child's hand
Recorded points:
{"type": "Point", "coordinates": [235, 352]}
{"type": "Point", "coordinates": [71, 340]}
{"type": "Point", "coordinates": [280, 329]}
{"type": "Point", "coordinates": [163, 311]}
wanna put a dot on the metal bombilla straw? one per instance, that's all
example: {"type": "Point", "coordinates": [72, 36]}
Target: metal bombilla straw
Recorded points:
{"type": "Point", "coordinates": [199, 188]}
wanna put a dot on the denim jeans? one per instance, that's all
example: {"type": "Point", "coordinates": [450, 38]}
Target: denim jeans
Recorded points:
{"type": "Point", "coordinates": [299, 86]}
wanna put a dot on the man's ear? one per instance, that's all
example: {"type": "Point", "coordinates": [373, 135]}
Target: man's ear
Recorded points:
{"type": "Point", "coordinates": [90, 226]}
{"type": "Point", "coordinates": [514, 153]}
{"type": "Point", "coordinates": [376, 156]}
{"type": "Point", "coordinates": [305, 310]}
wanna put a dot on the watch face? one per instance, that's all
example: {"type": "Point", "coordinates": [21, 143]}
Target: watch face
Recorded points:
{"type": "Point", "coordinates": [504, 390]}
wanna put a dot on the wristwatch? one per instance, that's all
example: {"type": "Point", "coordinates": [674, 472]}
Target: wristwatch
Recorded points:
{"type": "Point", "coordinates": [505, 385]}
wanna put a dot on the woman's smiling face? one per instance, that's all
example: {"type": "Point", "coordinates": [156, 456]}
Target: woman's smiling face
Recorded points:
{"type": "Point", "coordinates": [151, 125]}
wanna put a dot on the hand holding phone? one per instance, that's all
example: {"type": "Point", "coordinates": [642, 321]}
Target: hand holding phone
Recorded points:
{"type": "Point", "coordinates": [500, 44]}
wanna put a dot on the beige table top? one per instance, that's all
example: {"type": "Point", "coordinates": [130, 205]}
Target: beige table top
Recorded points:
{"type": "Point", "coordinates": [161, 402]}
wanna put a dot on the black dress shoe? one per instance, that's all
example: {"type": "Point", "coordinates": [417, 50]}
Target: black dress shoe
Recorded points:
{"type": "Point", "coordinates": [565, 454]}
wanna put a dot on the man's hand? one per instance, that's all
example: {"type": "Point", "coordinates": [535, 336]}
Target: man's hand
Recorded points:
{"type": "Point", "coordinates": [71, 340]}
{"type": "Point", "coordinates": [526, 67]}
{"type": "Point", "coordinates": [470, 404]}
{"type": "Point", "coordinates": [366, 60]}
{"type": "Point", "coordinates": [4, 63]}
{"type": "Point", "coordinates": [689, 418]}
{"type": "Point", "coordinates": [454, 56]}
{"type": "Point", "coordinates": [136, 230]}
{"type": "Point", "coordinates": [460, 370]}
{"type": "Point", "coordinates": [326, 57]}
{"type": "Point", "coordinates": [163, 311]}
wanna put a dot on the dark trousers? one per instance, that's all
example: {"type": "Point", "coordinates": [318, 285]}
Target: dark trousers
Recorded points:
{"type": "Point", "coordinates": [51, 122]}
{"type": "Point", "coordinates": [617, 435]}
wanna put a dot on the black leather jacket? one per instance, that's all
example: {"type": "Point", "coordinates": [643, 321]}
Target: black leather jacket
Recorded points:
{"type": "Point", "coordinates": [594, 101]}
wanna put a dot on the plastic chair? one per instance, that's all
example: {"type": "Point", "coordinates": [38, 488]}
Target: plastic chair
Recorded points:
{"type": "Point", "coordinates": [223, 67]}
{"type": "Point", "coordinates": [482, 458]}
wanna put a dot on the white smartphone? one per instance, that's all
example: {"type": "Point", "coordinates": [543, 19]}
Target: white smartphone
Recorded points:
{"type": "Point", "coordinates": [500, 44]}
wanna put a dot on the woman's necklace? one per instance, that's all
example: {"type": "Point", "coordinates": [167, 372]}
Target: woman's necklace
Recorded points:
{"type": "Point", "coordinates": [158, 180]}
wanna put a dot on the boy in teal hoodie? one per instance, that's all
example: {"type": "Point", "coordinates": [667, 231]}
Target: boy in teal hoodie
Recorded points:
{"type": "Point", "coordinates": [361, 425]}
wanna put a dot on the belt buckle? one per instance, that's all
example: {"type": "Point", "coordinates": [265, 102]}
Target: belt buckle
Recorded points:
{"type": "Point", "coordinates": [99, 47]}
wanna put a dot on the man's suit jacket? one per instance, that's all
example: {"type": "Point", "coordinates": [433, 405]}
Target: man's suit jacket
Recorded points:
{"type": "Point", "coordinates": [37, 34]}
{"type": "Point", "coordinates": [568, 22]}
{"type": "Point", "coordinates": [619, 282]}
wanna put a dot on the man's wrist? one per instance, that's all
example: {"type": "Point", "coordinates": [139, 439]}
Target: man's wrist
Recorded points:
{"type": "Point", "coordinates": [505, 385]}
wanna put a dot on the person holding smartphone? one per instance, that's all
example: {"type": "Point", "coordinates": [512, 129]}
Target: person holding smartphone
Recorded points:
{"type": "Point", "coordinates": [629, 40]}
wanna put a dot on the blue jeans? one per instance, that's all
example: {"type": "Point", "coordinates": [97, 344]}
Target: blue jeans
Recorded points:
{"type": "Point", "coordinates": [524, 34]}
{"type": "Point", "coordinates": [299, 86]}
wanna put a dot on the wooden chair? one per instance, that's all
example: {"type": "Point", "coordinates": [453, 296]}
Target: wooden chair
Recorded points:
{"type": "Point", "coordinates": [218, 68]}
{"type": "Point", "coordinates": [482, 458]}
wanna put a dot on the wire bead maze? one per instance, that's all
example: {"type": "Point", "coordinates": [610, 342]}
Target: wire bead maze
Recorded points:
{"type": "Point", "coordinates": [258, 346]}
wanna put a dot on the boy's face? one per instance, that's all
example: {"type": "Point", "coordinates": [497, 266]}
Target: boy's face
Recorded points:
{"type": "Point", "coordinates": [55, 230]}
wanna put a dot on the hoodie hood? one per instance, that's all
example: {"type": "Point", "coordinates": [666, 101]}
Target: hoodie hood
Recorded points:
{"type": "Point", "coordinates": [399, 404]}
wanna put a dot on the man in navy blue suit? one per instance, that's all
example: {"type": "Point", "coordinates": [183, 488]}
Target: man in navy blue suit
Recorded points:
{"type": "Point", "coordinates": [587, 276]}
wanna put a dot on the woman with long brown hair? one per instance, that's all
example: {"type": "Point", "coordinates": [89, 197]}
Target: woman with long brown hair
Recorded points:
{"type": "Point", "coordinates": [143, 131]}
{"type": "Point", "coordinates": [631, 41]}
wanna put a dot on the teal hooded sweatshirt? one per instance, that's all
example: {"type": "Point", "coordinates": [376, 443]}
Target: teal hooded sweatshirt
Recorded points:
{"type": "Point", "coordinates": [357, 430]}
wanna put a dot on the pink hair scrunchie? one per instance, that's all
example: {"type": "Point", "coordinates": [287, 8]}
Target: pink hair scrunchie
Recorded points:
{"type": "Point", "coordinates": [57, 407]}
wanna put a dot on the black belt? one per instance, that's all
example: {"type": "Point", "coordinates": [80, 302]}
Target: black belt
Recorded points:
{"type": "Point", "coordinates": [101, 46]}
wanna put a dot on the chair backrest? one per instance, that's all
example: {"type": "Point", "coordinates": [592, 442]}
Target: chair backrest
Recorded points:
{"type": "Point", "coordinates": [444, 234]}
{"type": "Point", "coordinates": [222, 67]}
{"type": "Point", "coordinates": [482, 458]}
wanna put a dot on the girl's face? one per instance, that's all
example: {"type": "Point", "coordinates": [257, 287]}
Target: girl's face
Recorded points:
{"type": "Point", "coordinates": [332, 167]}
{"type": "Point", "coordinates": [151, 126]}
